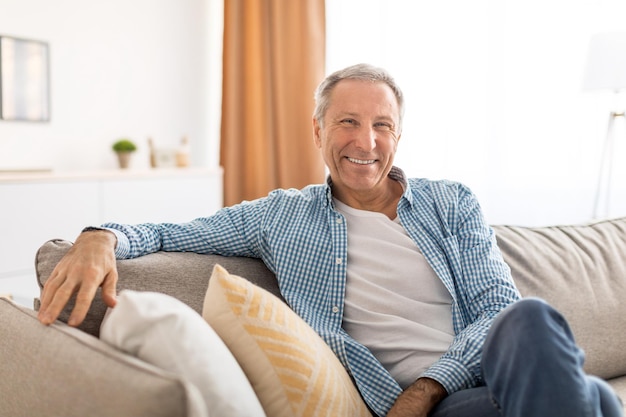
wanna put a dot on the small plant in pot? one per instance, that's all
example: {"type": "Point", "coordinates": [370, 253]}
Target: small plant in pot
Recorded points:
{"type": "Point", "coordinates": [124, 148]}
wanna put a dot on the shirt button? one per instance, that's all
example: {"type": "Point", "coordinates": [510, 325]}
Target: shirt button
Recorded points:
{"type": "Point", "coordinates": [335, 309]}
{"type": "Point", "coordinates": [339, 220]}
{"type": "Point", "coordinates": [338, 261]}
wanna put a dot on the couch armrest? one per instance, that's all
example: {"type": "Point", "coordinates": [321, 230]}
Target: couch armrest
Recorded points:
{"type": "Point", "coordinates": [182, 275]}
{"type": "Point", "coordinates": [59, 370]}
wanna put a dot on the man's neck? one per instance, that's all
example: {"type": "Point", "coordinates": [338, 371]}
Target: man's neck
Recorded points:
{"type": "Point", "coordinates": [385, 201]}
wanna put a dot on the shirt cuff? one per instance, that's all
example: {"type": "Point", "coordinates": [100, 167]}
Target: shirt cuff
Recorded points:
{"type": "Point", "coordinates": [451, 374]}
{"type": "Point", "coordinates": [122, 249]}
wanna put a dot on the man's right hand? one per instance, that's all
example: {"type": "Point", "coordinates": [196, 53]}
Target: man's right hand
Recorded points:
{"type": "Point", "coordinates": [89, 264]}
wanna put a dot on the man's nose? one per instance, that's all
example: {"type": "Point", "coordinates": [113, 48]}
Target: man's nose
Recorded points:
{"type": "Point", "coordinates": [366, 139]}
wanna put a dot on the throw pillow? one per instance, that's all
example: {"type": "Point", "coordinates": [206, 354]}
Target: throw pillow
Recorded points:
{"type": "Point", "coordinates": [161, 330]}
{"type": "Point", "coordinates": [291, 368]}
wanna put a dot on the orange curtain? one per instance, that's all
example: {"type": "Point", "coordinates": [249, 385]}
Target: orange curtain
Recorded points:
{"type": "Point", "coordinates": [274, 58]}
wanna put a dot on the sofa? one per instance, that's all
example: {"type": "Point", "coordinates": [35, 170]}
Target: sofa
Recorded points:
{"type": "Point", "coordinates": [64, 371]}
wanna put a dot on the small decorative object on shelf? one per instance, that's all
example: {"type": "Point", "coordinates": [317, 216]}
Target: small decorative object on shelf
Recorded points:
{"type": "Point", "coordinates": [153, 162]}
{"type": "Point", "coordinates": [182, 155]}
{"type": "Point", "coordinates": [124, 148]}
{"type": "Point", "coordinates": [169, 157]}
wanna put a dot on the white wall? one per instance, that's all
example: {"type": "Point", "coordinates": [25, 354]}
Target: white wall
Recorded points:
{"type": "Point", "coordinates": [118, 68]}
{"type": "Point", "coordinates": [493, 89]}
{"type": "Point", "coordinates": [494, 96]}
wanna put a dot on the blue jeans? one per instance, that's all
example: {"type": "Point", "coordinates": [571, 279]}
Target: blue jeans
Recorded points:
{"type": "Point", "coordinates": [532, 368]}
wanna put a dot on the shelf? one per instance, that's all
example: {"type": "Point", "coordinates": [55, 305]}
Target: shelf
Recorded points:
{"type": "Point", "coordinates": [38, 206]}
{"type": "Point", "coordinates": [43, 175]}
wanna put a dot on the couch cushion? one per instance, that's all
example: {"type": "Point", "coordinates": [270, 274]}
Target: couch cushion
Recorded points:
{"type": "Point", "coordinates": [163, 331]}
{"type": "Point", "coordinates": [181, 275]}
{"type": "Point", "coordinates": [63, 371]}
{"type": "Point", "coordinates": [292, 370]}
{"type": "Point", "coordinates": [581, 270]}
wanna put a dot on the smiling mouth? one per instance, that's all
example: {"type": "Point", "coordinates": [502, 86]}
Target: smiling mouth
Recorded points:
{"type": "Point", "coordinates": [361, 161]}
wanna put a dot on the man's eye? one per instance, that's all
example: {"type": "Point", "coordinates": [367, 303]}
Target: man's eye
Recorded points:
{"type": "Point", "coordinates": [382, 125]}
{"type": "Point", "coordinates": [348, 121]}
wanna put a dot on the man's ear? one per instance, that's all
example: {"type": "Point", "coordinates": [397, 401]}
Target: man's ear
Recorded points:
{"type": "Point", "coordinates": [316, 133]}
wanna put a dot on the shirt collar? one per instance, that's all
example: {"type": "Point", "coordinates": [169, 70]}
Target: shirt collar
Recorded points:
{"type": "Point", "coordinates": [395, 174]}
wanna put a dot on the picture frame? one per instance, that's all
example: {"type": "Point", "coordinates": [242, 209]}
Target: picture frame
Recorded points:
{"type": "Point", "coordinates": [24, 79]}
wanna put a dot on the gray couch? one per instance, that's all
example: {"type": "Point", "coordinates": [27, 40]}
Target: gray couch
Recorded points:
{"type": "Point", "coordinates": [62, 371]}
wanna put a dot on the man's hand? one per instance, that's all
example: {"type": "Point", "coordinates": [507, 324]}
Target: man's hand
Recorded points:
{"type": "Point", "coordinates": [89, 264]}
{"type": "Point", "coordinates": [418, 399]}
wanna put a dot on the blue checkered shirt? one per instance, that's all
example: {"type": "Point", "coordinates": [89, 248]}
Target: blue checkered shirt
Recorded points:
{"type": "Point", "coordinates": [303, 240]}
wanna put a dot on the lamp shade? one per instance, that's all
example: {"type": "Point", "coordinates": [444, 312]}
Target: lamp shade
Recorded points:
{"type": "Point", "coordinates": [606, 62]}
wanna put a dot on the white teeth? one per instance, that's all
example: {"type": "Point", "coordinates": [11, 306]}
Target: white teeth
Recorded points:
{"type": "Point", "coordinates": [362, 161]}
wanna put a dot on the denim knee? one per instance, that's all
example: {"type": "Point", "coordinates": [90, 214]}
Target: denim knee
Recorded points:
{"type": "Point", "coordinates": [529, 308]}
{"type": "Point", "coordinates": [530, 323]}
{"type": "Point", "coordinates": [533, 315]}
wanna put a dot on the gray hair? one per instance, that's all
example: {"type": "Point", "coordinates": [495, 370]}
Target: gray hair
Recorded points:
{"type": "Point", "coordinates": [363, 72]}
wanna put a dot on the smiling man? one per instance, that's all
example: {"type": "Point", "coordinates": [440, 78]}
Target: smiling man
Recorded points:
{"type": "Point", "coordinates": [401, 277]}
{"type": "Point", "coordinates": [358, 136]}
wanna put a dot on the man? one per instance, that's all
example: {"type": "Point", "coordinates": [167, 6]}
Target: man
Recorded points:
{"type": "Point", "coordinates": [401, 277]}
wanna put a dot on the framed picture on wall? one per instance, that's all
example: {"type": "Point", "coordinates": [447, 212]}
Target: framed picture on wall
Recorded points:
{"type": "Point", "coordinates": [24, 80]}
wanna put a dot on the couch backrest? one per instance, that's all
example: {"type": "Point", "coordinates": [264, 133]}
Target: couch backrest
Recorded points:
{"type": "Point", "coordinates": [581, 270]}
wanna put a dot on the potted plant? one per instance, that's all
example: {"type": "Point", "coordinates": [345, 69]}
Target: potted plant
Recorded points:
{"type": "Point", "coordinates": [124, 148]}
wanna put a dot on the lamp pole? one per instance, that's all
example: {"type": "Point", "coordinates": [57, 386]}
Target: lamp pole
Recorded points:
{"type": "Point", "coordinates": [605, 177]}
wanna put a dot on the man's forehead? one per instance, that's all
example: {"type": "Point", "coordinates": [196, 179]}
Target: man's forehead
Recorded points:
{"type": "Point", "coordinates": [354, 97]}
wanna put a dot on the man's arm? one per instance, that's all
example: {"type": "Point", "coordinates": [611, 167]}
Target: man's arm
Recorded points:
{"type": "Point", "coordinates": [482, 282]}
{"type": "Point", "coordinates": [89, 264]}
{"type": "Point", "coordinates": [418, 399]}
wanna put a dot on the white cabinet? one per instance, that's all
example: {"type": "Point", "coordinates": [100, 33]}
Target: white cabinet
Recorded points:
{"type": "Point", "coordinates": [37, 207]}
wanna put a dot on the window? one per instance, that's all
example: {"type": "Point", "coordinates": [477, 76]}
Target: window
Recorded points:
{"type": "Point", "coordinates": [494, 95]}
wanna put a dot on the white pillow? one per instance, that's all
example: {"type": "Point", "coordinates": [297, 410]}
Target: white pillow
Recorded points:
{"type": "Point", "coordinates": [165, 332]}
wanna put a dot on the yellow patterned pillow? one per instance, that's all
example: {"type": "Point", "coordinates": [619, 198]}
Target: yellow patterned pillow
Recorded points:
{"type": "Point", "coordinates": [292, 370]}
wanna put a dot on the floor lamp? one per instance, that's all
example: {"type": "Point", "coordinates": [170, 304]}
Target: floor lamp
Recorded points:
{"type": "Point", "coordinates": [606, 70]}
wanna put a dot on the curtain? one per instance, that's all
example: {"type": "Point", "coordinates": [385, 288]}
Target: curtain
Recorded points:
{"type": "Point", "coordinates": [274, 58]}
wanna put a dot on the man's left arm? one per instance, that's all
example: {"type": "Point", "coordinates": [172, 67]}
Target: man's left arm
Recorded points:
{"type": "Point", "coordinates": [484, 287]}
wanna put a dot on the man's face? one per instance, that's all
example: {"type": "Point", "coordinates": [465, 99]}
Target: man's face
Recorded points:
{"type": "Point", "coordinates": [359, 136]}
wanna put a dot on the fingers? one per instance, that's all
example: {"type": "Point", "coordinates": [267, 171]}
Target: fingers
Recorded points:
{"type": "Point", "coordinates": [57, 296]}
{"type": "Point", "coordinates": [50, 289]}
{"type": "Point", "coordinates": [64, 283]}
{"type": "Point", "coordinates": [109, 289]}
{"type": "Point", "coordinates": [85, 295]}
{"type": "Point", "coordinates": [58, 291]}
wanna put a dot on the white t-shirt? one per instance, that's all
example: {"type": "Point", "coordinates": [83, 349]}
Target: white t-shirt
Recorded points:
{"type": "Point", "coordinates": [395, 304]}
